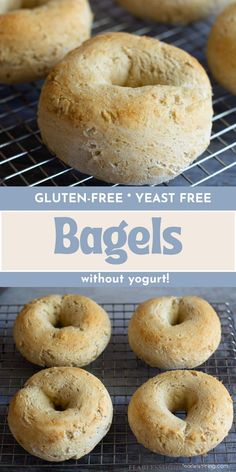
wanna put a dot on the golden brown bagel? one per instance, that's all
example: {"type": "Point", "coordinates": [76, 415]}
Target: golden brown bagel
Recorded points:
{"type": "Point", "coordinates": [57, 330]}
{"type": "Point", "coordinates": [61, 413]}
{"type": "Point", "coordinates": [206, 401]}
{"type": "Point", "coordinates": [174, 333]}
{"type": "Point", "coordinates": [221, 50]}
{"type": "Point", "coordinates": [174, 11]}
{"type": "Point", "coordinates": [127, 109]}
{"type": "Point", "coordinates": [38, 34]}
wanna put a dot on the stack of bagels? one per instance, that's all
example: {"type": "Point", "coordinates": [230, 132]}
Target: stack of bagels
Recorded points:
{"type": "Point", "coordinates": [63, 412]}
{"type": "Point", "coordinates": [125, 109]}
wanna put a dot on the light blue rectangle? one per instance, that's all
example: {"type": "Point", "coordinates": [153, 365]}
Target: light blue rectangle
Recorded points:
{"type": "Point", "coordinates": [100, 279]}
{"type": "Point", "coordinates": [120, 198]}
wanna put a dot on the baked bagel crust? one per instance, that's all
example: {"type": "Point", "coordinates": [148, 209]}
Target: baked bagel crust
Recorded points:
{"type": "Point", "coordinates": [127, 109]}
{"type": "Point", "coordinates": [221, 50]}
{"type": "Point", "coordinates": [38, 34]}
{"type": "Point", "coordinates": [174, 333]}
{"type": "Point", "coordinates": [60, 414]}
{"type": "Point", "coordinates": [207, 403]}
{"type": "Point", "coordinates": [174, 11]}
{"type": "Point", "coordinates": [59, 330]}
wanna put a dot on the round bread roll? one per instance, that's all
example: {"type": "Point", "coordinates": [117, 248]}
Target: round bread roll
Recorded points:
{"type": "Point", "coordinates": [174, 333]}
{"type": "Point", "coordinates": [127, 109]}
{"type": "Point", "coordinates": [221, 51]}
{"type": "Point", "coordinates": [174, 11]}
{"type": "Point", "coordinates": [61, 413]}
{"type": "Point", "coordinates": [206, 401]}
{"type": "Point", "coordinates": [68, 330]}
{"type": "Point", "coordinates": [38, 34]}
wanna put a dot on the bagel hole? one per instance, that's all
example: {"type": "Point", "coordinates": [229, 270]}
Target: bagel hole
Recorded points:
{"type": "Point", "coordinates": [60, 320]}
{"type": "Point", "coordinates": [63, 322]}
{"type": "Point", "coordinates": [182, 415]}
{"type": "Point", "coordinates": [176, 314]}
{"type": "Point", "coordinates": [177, 321]}
{"type": "Point", "coordinates": [59, 406]}
{"type": "Point", "coordinates": [58, 324]}
{"type": "Point", "coordinates": [131, 75]}
{"type": "Point", "coordinates": [135, 83]}
{"type": "Point", "coordinates": [135, 70]}
{"type": "Point", "coordinates": [179, 407]}
{"type": "Point", "coordinates": [71, 313]}
{"type": "Point", "coordinates": [180, 402]}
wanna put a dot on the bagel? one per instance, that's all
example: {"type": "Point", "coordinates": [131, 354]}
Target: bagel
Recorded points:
{"type": "Point", "coordinates": [174, 333]}
{"type": "Point", "coordinates": [174, 11]}
{"type": "Point", "coordinates": [221, 50]}
{"type": "Point", "coordinates": [60, 330]}
{"type": "Point", "coordinates": [127, 109]}
{"type": "Point", "coordinates": [206, 401]}
{"type": "Point", "coordinates": [38, 34]}
{"type": "Point", "coordinates": [60, 414]}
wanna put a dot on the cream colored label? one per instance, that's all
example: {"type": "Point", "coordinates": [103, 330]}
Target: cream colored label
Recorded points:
{"type": "Point", "coordinates": [207, 241]}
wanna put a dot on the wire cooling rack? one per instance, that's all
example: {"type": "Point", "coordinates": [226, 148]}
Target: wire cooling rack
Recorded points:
{"type": "Point", "coordinates": [122, 373]}
{"type": "Point", "coordinates": [25, 161]}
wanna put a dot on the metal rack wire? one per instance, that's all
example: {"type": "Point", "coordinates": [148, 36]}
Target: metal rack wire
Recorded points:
{"type": "Point", "coordinates": [122, 373]}
{"type": "Point", "coordinates": [25, 161]}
